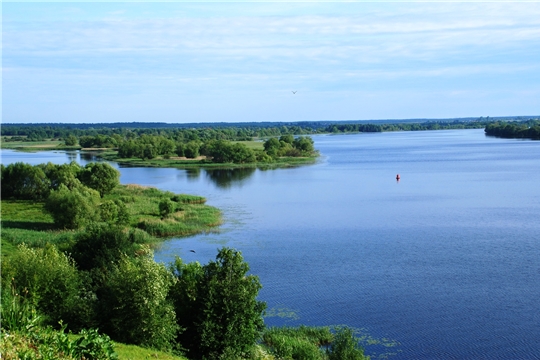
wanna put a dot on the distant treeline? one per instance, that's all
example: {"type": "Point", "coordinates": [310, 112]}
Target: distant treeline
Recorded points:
{"type": "Point", "coordinates": [111, 135]}
{"type": "Point", "coordinates": [515, 130]}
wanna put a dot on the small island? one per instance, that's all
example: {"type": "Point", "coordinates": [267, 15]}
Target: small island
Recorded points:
{"type": "Point", "coordinates": [159, 151]}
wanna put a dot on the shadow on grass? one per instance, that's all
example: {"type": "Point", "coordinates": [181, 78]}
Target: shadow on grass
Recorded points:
{"type": "Point", "coordinates": [28, 225]}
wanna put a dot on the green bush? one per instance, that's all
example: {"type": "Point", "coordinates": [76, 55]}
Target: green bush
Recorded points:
{"type": "Point", "coordinates": [345, 346]}
{"type": "Point", "coordinates": [49, 344]}
{"type": "Point", "coordinates": [114, 212]}
{"type": "Point", "coordinates": [297, 343]}
{"type": "Point", "coordinates": [101, 246]}
{"type": "Point", "coordinates": [17, 313]}
{"type": "Point", "coordinates": [134, 307]}
{"type": "Point", "coordinates": [166, 207]}
{"type": "Point", "coordinates": [46, 278]}
{"type": "Point", "coordinates": [72, 209]}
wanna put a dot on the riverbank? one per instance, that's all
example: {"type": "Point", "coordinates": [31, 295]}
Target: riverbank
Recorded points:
{"type": "Point", "coordinates": [27, 222]}
{"type": "Point", "coordinates": [45, 145]}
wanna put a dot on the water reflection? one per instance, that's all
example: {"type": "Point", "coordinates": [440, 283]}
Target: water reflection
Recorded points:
{"type": "Point", "coordinates": [92, 156]}
{"type": "Point", "coordinates": [72, 155]}
{"type": "Point", "coordinates": [225, 178]}
{"type": "Point", "coordinates": [193, 174]}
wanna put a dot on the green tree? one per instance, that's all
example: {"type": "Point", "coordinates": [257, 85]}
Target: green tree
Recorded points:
{"type": "Point", "coordinates": [287, 138]}
{"type": "Point", "coordinates": [70, 140]}
{"type": "Point", "coordinates": [101, 177]}
{"type": "Point", "coordinates": [304, 144]}
{"type": "Point", "coordinates": [134, 306]}
{"type": "Point", "coordinates": [272, 146]}
{"type": "Point", "coordinates": [25, 182]}
{"type": "Point", "coordinates": [222, 298]}
{"type": "Point", "coordinates": [191, 149]}
{"type": "Point", "coordinates": [66, 174]}
{"type": "Point", "coordinates": [72, 209]}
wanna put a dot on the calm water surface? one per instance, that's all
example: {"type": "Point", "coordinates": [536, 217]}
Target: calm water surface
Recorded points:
{"type": "Point", "coordinates": [445, 262]}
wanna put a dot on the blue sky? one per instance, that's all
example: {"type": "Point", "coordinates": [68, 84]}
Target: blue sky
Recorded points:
{"type": "Point", "coordinates": [184, 62]}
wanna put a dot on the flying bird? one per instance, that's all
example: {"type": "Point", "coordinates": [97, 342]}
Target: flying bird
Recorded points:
{"type": "Point", "coordinates": [294, 92]}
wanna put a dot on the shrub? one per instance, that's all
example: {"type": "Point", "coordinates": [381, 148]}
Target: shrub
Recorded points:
{"type": "Point", "coordinates": [46, 278]}
{"type": "Point", "coordinates": [114, 212]}
{"type": "Point", "coordinates": [46, 343]}
{"type": "Point", "coordinates": [101, 246]}
{"type": "Point", "coordinates": [297, 343]}
{"type": "Point", "coordinates": [72, 209]}
{"type": "Point", "coordinates": [16, 313]}
{"type": "Point", "coordinates": [133, 304]}
{"type": "Point", "coordinates": [345, 346]}
{"type": "Point", "coordinates": [166, 207]}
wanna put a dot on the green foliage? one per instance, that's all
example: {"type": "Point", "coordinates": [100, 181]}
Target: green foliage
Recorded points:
{"type": "Point", "coordinates": [102, 245]}
{"type": "Point", "coordinates": [75, 208]}
{"type": "Point", "coordinates": [188, 199]}
{"type": "Point", "coordinates": [308, 342]}
{"type": "Point", "coordinates": [114, 212]}
{"type": "Point", "coordinates": [24, 181]}
{"type": "Point", "coordinates": [345, 346]}
{"type": "Point", "coordinates": [46, 343]}
{"type": "Point", "coordinates": [66, 174]}
{"type": "Point", "coordinates": [519, 130]}
{"type": "Point", "coordinates": [17, 313]}
{"type": "Point", "coordinates": [297, 343]}
{"type": "Point", "coordinates": [221, 151]}
{"type": "Point", "coordinates": [304, 144]}
{"type": "Point", "coordinates": [192, 149]}
{"type": "Point", "coordinates": [70, 140]}
{"type": "Point", "coordinates": [272, 146]}
{"type": "Point", "coordinates": [133, 352]}
{"type": "Point", "coordinates": [166, 207]}
{"type": "Point", "coordinates": [287, 145]}
{"type": "Point", "coordinates": [101, 177]}
{"type": "Point", "coordinates": [225, 317]}
{"type": "Point", "coordinates": [93, 346]}
{"type": "Point", "coordinates": [134, 307]}
{"type": "Point", "coordinates": [46, 278]}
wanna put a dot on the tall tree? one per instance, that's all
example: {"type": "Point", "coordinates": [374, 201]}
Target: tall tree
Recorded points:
{"type": "Point", "coordinates": [225, 316]}
{"type": "Point", "coordinates": [101, 177]}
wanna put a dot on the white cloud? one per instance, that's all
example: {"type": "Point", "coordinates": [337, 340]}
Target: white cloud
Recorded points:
{"type": "Point", "coordinates": [440, 47]}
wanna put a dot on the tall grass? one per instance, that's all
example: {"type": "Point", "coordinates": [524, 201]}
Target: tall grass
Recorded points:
{"type": "Point", "coordinates": [297, 343]}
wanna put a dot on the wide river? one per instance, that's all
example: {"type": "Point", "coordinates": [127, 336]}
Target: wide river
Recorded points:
{"type": "Point", "coordinates": [444, 264]}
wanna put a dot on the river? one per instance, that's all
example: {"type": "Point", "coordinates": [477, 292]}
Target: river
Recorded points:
{"type": "Point", "coordinates": [443, 264]}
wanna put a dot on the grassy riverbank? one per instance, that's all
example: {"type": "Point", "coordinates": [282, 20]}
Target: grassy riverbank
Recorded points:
{"type": "Point", "coordinates": [27, 222]}
{"type": "Point", "coordinates": [45, 145]}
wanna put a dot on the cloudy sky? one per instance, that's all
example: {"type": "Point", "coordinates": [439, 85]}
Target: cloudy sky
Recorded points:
{"type": "Point", "coordinates": [212, 62]}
